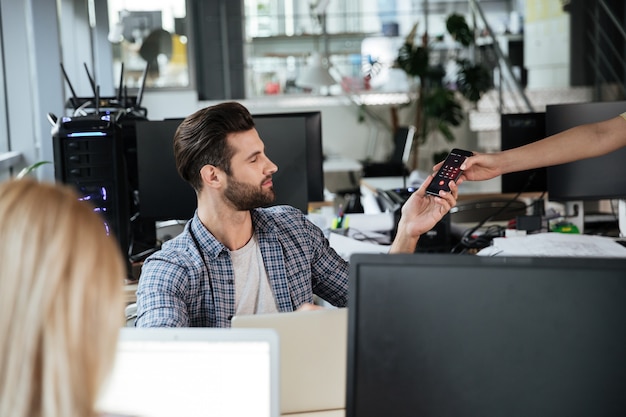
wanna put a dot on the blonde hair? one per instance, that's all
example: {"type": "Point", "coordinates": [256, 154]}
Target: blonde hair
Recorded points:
{"type": "Point", "coordinates": [61, 303]}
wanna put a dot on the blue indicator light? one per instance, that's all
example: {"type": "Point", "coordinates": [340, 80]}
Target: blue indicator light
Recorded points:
{"type": "Point", "coordinates": [85, 134]}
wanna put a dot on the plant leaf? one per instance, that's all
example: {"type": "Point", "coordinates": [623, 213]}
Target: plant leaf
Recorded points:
{"type": "Point", "coordinates": [473, 80]}
{"type": "Point", "coordinates": [459, 29]}
{"type": "Point", "coordinates": [27, 170]}
{"type": "Point", "coordinates": [413, 60]}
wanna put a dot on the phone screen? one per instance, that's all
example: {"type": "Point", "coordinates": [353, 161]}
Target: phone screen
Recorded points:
{"type": "Point", "coordinates": [449, 171]}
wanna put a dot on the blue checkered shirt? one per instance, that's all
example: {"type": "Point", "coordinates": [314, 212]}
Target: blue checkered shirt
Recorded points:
{"type": "Point", "coordinates": [190, 281]}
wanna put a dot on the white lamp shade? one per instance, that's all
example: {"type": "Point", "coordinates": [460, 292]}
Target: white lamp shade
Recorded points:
{"type": "Point", "coordinates": [315, 75]}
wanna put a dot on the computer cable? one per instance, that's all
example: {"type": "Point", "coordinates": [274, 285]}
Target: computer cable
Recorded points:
{"type": "Point", "coordinates": [469, 241]}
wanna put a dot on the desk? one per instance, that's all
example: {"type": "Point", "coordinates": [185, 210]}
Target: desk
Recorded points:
{"type": "Point", "coordinates": [337, 164]}
{"type": "Point", "coordinates": [341, 173]}
{"type": "Point", "coordinates": [325, 413]}
{"type": "Point", "coordinates": [556, 244]}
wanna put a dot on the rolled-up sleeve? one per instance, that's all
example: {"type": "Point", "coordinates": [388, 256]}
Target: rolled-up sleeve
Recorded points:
{"type": "Point", "coordinates": [312, 266]}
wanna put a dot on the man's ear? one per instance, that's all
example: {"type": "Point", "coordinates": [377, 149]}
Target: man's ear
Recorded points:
{"type": "Point", "coordinates": [211, 176]}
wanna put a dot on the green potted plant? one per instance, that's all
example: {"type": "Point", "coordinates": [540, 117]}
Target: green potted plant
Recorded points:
{"type": "Point", "coordinates": [439, 104]}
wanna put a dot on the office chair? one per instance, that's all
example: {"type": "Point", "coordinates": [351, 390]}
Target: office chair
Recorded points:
{"type": "Point", "coordinates": [397, 163]}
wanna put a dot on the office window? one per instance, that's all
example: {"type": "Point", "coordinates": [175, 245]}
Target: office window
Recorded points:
{"type": "Point", "coordinates": [150, 34]}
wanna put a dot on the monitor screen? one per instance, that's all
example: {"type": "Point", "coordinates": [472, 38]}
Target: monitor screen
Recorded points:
{"type": "Point", "coordinates": [598, 178]}
{"type": "Point", "coordinates": [520, 129]}
{"type": "Point", "coordinates": [449, 335]}
{"type": "Point", "coordinates": [163, 194]}
{"type": "Point", "coordinates": [293, 141]}
{"type": "Point", "coordinates": [191, 372]}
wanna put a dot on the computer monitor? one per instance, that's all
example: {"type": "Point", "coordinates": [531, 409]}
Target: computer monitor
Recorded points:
{"type": "Point", "coordinates": [451, 335]}
{"type": "Point", "coordinates": [293, 141]}
{"type": "Point", "coordinates": [193, 372]}
{"type": "Point", "coordinates": [518, 129]}
{"type": "Point", "coordinates": [163, 194]}
{"type": "Point", "coordinates": [598, 178]}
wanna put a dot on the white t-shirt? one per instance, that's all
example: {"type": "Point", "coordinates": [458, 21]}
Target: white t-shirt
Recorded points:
{"type": "Point", "coordinates": [253, 293]}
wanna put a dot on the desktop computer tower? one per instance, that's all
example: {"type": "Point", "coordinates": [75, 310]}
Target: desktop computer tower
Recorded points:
{"type": "Point", "coordinates": [142, 231]}
{"type": "Point", "coordinates": [89, 155]}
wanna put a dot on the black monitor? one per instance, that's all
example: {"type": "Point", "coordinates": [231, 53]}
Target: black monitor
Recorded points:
{"type": "Point", "coordinates": [598, 178]}
{"type": "Point", "coordinates": [163, 194]}
{"type": "Point", "coordinates": [293, 141]}
{"type": "Point", "coordinates": [463, 335]}
{"type": "Point", "coordinates": [518, 129]}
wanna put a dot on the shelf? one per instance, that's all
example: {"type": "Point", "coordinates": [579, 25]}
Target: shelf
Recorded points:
{"type": "Point", "coordinates": [302, 45]}
{"type": "Point", "coordinates": [9, 159]}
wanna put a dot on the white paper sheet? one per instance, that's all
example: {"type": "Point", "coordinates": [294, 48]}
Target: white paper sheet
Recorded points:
{"type": "Point", "coordinates": [555, 244]}
{"type": "Point", "coordinates": [346, 246]}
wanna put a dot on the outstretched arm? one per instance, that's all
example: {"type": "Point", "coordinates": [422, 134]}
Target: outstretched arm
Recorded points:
{"type": "Point", "coordinates": [580, 142]}
{"type": "Point", "coordinates": [420, 213]}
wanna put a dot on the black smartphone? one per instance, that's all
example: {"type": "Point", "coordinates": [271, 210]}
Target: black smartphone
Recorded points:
{"type": "Point", "coordinates": [449, 171]}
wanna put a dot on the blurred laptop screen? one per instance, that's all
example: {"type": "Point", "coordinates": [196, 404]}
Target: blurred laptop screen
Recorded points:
{"type": "Point", "coordinates": [194, 372]}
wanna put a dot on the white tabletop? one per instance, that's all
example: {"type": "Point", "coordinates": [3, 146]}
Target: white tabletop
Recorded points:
{"type": "Point", "coordinates": [340, 164]}
{"type": "Point", "coordinates": [325, 413]}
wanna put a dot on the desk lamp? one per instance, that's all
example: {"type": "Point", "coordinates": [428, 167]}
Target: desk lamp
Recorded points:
{"type": "Point", "coordinates": [315, 75]}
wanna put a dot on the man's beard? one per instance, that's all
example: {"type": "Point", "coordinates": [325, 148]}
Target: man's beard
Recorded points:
{"type": "Point", "coordinates": [247, 197]}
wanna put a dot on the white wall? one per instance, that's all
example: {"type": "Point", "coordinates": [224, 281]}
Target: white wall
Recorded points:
{"type": "Point", "coordinates": [32, 81]}
{"type": "Point", "coordinates": [343, 133]}
{"type": "Point", "coordinates": [547, 44]}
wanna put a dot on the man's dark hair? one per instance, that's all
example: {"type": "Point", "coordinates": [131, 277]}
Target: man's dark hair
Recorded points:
{"type": "Point", "coordinates": [201, 139]}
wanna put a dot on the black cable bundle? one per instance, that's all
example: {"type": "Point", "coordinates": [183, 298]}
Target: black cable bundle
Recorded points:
{"type": "Point", "coordinates": [470, 242]}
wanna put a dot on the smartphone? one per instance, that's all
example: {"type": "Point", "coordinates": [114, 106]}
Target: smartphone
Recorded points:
{"type": "Point", "coordinates": [449, 171]}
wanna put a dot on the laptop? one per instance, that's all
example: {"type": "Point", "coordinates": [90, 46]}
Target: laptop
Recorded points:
{"type": "Point", "coordinates": [193, 372]}
{"type": "Point", "coordinates": [313, 351]}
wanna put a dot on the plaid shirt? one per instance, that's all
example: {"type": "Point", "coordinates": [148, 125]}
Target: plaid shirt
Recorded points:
{"type": "Point", "coordinates": [190, 281]}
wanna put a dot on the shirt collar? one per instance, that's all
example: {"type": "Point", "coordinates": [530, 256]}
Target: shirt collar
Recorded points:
{"type": "Point", "coordinates": [211, 246]}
